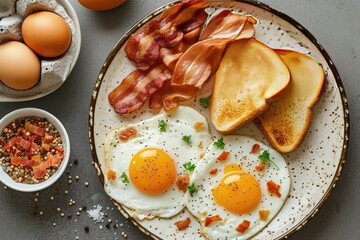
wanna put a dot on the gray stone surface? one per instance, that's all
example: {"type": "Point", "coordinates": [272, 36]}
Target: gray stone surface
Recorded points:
{"type": "Point", "coordinates": [334, 23]}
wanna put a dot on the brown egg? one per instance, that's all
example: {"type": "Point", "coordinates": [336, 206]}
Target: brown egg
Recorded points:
{"type": "Point", "coordinates": [46, 33]}
{"type": "Point", "coordinates": [19, 66]}
{"type": "Point", "coordinates": [101, 5]}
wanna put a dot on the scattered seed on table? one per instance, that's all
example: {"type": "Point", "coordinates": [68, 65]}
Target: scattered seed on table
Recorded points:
{"type": "Point", "coordinates": [86, 184]}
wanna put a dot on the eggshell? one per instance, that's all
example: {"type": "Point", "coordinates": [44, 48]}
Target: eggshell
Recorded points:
{"type": "Point", "coordinates": [19, 66]}
{"type": "Point", "coordinates": [101, 5]}
{"type": "Point", "coordinates": [46, 33]}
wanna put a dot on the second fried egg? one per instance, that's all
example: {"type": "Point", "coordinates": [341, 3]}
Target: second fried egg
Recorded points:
{"type": "Point", "coordinates": [237, 188]}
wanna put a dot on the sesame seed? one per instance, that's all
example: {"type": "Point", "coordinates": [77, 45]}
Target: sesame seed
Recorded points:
{"type": "Point", "coordinates": [86, 184]}
{"type": "Point", "coordinates": [66, 192]}
{"type": "Point", "coordinates": [62, 214]}
{"type": "Point", "coordinates": [52, 198]}
{"type": "Point", "coordinates": [58, 209]}
{"type": "Point", "coordinates": [54, 224]}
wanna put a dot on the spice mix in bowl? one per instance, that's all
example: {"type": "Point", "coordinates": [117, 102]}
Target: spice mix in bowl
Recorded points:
{"type": "Point", "coordinates": [34, 149]}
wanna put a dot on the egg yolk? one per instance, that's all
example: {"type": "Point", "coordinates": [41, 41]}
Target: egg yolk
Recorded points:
{"type": "Point", "coordinates": [152, 171]}
{"type": "Point", "coordinates": [238, 192]}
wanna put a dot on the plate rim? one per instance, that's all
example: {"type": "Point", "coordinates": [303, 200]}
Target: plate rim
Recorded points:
{"type": "Point", "coordinates": [287, 18]}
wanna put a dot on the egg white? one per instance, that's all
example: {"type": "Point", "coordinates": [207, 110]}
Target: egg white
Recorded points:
{"type": "Point", "coordinates": [118, 155]}
{"type": "Point", "coordinates": [201, 204]}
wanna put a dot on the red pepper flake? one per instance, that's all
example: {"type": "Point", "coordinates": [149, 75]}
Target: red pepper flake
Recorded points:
{"type": "Point", "coordinates": [260, 166]}
{"type": "Point", "coordinates": [111, 175]}
{"type": "Point", "coordinates": [211, 219]}
{"type": "Point", "coordinates": [127, 133]}
{"type": "Point", "coordinates": [213, 171]}
{"type": "Point", "coordinates": [223, 156]}
{"type": "Point", "coordinates": [264, 214]}
{"type": "Point", "coordinates": [242, 227]}
{"type": "Point", "coordinates": [255, 148]}
{"type": "Point", "coordinates": [182, 182]}
{"type": "Point", "coordinates": [183, 224]}
{"type": "Point", "coordinates": [273, 188]}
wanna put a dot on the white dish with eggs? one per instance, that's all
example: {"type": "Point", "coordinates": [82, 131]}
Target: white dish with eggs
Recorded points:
{"type": "Point", "coordinates": [313, 168]}
{"type": "Point", "coordinates": [55, 70]}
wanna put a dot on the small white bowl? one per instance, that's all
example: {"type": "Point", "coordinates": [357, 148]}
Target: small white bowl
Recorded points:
{"type": "Point", "coordinates": [30, 112]}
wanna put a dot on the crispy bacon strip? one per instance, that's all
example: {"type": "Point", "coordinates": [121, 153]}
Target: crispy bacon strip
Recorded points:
{"type": "Point", "coordinates": [182, 224]}
{"type": "Point", "coordinates": [242, 227]}
{"type": "Point", "coordinates": [143, 48]}
{"type": "Point", "coordinates": [136, 88]}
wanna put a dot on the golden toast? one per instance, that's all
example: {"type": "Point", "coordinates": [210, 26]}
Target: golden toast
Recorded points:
{"type": "Point", "coordinates": [286, 120]}
{"type": "Point", "coordinates": [249, 76]}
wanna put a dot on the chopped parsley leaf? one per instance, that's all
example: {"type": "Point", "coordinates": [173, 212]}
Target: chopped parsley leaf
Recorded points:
{"type": "Point", "coordinates": [189, 166]}
{"type": "Point", "coordinates": [220, 143]}
{"type": "Point", "coordinates": [162, 125]}
{"type": "Point", "coordinates": [205, 102]}
{"type": "Point", "coordinates": [124, 178]}
{"type": "Point", "coordinates": [186, 138]}
{"type": "Point", "coordinates": [192, 189]}
{"type": "Point", "coordinates": [265, 157]}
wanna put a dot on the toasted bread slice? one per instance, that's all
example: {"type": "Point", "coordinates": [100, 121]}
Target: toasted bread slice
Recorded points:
{"type": "Point", "coordinates": [287, 119]}
{"type": "Point", "coordinates": [250, 74]}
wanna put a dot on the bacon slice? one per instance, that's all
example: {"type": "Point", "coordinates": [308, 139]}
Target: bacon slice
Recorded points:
{"type": "Point", "coordinates": [135, 89]}
{"type": "Point", "coordinates": [182, 182]}
{"type": "Point", "coordinates": [242, 227]}
{"type": "Point", "coordinates": [209, 220]}
{"type": "Point", "coordinates": [182, 224]}
{"type": "Point", "coordinates": [273, 188]}
{"type": "Point", "coordinates": [35, 129]}
{"type": "Point", "coordinates": [143, 48]}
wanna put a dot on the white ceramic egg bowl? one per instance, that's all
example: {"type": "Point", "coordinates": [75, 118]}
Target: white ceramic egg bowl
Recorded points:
{"type": "Point", "coordinates": [54, 71]}
{"type": "Point", "coordinates": [29, 112]}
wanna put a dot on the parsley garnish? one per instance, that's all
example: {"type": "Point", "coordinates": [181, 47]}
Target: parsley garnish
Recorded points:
{"type": "Point", "coordinates": [124, 178]}
{"type": "Point", "coordinates": [162, 125]}
{"type": "Point", "coordinates": [220, 143]}
{"type": "Point", "coordinates": [205, 102]}
{"type": "Point", "coordinates": [265, 157]}
{"type": "Point", "coordinates": [189, 166]}
{"type": "Point", "coordinates": [192, 189]}
{"type": "Point", "coordinates": [186, 138]}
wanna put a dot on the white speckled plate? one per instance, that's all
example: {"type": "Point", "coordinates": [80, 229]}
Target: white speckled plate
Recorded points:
{"type": "Point", "coordinates": [314, 167]}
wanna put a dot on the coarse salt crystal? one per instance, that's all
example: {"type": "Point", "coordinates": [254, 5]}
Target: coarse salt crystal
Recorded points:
{"type": "Point", "coordinates": [96, 214]}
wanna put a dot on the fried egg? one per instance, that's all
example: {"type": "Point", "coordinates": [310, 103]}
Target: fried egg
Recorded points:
{"type": "Point", "coordinates": [144, 160]}
{"type": "Point", "coordinates": [237, 190]}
